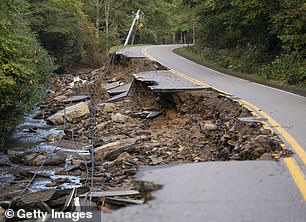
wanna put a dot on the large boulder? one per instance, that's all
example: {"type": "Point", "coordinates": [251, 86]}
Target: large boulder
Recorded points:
{"type": "Point", "coordinates": [73, 114]}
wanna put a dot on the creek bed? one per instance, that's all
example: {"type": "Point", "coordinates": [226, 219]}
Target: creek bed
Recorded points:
{"type": "Point", "coordinates": [30, 136]}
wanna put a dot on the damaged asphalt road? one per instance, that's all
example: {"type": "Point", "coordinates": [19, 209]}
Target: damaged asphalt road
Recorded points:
{"type": "Point", "coordinates": [133, 118]}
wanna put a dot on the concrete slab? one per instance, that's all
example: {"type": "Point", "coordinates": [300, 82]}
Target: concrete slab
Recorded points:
{"type": "Point", "coordinates": [118, 97]}
{"type": "Point", "coordinates": [112, 85]}
{"type": "Point", "coordinates": [131, 52]}
{"type": "Point", "coordinates": [252, 119]}
{"type": "Point", "coordinates": [75, 99]}
{"type": "Point", "coordinates": [165, 81]}
{"type": "Point", "coordinates": [219, 191]}
{"type": "Point", "coordinates": [120, 89]}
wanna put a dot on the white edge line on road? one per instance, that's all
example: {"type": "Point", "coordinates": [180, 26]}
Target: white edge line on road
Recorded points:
{"type": "Point", "coordinates": [269, 87]}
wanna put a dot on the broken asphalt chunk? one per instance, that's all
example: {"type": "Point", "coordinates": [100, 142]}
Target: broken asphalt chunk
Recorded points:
{"type": "Point", "coordinates": [101, 194]}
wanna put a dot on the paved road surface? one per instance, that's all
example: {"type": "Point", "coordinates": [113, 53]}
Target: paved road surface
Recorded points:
{"type": "Point", "coordinates": [229, 191]}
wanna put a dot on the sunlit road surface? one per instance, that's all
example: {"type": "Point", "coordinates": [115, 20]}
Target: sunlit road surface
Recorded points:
{"type": "Point", "coordinates": [236, 190]}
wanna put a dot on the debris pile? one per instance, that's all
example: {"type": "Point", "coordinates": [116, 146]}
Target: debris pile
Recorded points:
{"type": "Point", "coordinates": [134, 124]}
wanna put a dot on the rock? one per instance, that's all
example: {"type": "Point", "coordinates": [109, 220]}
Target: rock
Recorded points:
{"type": "Point", "coordinates": [262, 139]}
{"type": "Point", "coordinates": [61, 180]}
{"type": "Point", "coordinates": [57, 202]}
{"type": "Point", "coordinates": [101, 126]}
{"type": "Point", "coordinates": [1, 212]}
{"type": "Point", "coordinates": [40, 115]}
{"type": "Point", "coordinates": [37, 161]}
{"type": "Point", "coordinates": [119, 118]}
{"type": "Point", "coordinates": [76, 161]}
{"type": "Point", "coordinates": [73, 114]}
{"type": "Point", "coordinates": [108, 107]}
{"type": "Point", "coordinates": [44, 207]}
{"type": "Point", "coordinates": [59, 98]}
{"type": "Point", "coordinates": [15, 151]}
{"type": "Point", "coordinates": [31, 201]}
{"type": "Point", "coordinates": [55, 137]}
{"type": "Point", "coordinates": [53, 160]}
{"type": "Point", "coordinates": [155, 160]}
{"type": "Point", "coordinates": [25, 157]}
{"type": "Point", "coordinates": [266, 156]}
{"type": "Point", "coordinates": [56, 160]}
{"type": "Point", "coordinates": [53, 184]}
{"type": "Point", "coordinates": [112, 151]}
{"type": "Point", "coordinates": [5, 204]}
{"type": "Point", "coordinates": [121, 158]}
{"type": "Point", "coordinates": [209, 127]}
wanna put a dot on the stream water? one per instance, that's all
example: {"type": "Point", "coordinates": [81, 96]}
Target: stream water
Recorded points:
{"type": "Point", "coordinates": [31, 136]}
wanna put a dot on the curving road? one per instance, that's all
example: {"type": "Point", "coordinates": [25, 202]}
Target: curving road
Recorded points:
{"type": "Point", "coordinates": [230, 191]}
{"type": "Point", "coordinates": [288, 109]}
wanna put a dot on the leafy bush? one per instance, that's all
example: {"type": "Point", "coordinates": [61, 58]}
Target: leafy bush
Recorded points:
{"type": "Point", "coordinates": [24, 66]}
{"type": "Point", "coordinates": [289, 69]}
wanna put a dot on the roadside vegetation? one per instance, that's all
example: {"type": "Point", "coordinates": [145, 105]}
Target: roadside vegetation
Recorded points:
{"type": "Point", "coordinates": [261, 40]}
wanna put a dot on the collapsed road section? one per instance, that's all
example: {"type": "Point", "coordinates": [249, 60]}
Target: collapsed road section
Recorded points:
{"type": "Point", "coordinates": [131, 114]}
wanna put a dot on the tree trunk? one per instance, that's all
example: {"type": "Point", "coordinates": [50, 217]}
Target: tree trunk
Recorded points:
{"type": "Point", "coordinates": [193, 32]}
{"type": "Point", "coordinates": [107, 12]}
{"type": "Point", "coordinates": [181, 40]}
{"type": "Point", "coordinates": [97, 18]}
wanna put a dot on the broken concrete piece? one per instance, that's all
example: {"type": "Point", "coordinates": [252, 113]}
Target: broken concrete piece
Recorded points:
{"type": "Point", "coordinates": [113, 85]}
{"type": "Point", "coordinates": [120, 89]}
{"type": "Point", "coordinates": [118, 97]}
{"type": "Point", "coordinates": [165, 81]}
{"type": "Point", "coordinates": [122, 201]}
{"type": "Point", "coordinates": [75, 99]}
{"type": "Point", "coordinates": [112, 193]}
{"type": "Point", "coordinates": [252, 119]}
{"type": "Point", "coordinates": [73, 114]}
{"type": "Point", "coordinates": [148, 114]}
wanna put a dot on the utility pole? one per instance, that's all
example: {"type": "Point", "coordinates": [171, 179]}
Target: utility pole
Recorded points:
{"type": "Point", "coordinates": [132, 26]}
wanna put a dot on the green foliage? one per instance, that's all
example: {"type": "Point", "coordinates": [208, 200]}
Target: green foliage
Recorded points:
{"type": "Point", "coordinates": [287, 68]}
{"type": "Point", "coordinates": [24, 65]}
{"type": "Point", "coordinates": [256, 36]}
{"type": "Point", "coordinates": [59, 26]}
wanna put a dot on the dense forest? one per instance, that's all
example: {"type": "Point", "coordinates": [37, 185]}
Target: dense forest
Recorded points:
{"type": "Point", "coordinates": [40, 38]}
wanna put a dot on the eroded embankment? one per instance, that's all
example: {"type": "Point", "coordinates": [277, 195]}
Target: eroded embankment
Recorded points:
{"type": "Point", "coordinates": [133, 126]}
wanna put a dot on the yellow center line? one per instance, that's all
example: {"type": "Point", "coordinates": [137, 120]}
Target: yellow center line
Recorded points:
{"type": "Point", "coordinates": [291, 141]}
{"type": "Point", "coordinates": [297, 175]}
{"type": "Point", "coordinates": [291, 164]}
